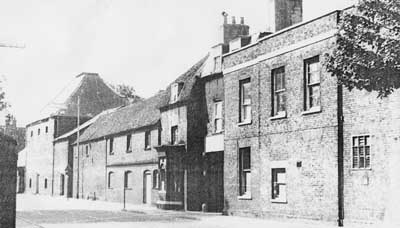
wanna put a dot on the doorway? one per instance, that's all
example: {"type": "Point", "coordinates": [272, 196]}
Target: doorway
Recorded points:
{"type": "Point", "coordinates": [37, 183]}
{"type": "Point", "coordinates": [147, 187]}
{"type": "Point", "coordinates": [62, 184]}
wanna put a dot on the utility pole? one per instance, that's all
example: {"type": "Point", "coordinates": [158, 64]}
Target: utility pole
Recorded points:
{"type": "Point", "coordinates": [77, 147]}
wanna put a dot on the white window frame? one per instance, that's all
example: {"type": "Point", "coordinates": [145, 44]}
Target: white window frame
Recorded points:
{"type": "Point", "coordinates": [280, 198]}
{"type": "Point", "coordinates": [278, 92]}
{"type": "Point", "coordinates": [247, 193]}
{"type": "Point", "coordinates": [218, 116]}
{"type": "Point", "coordinates": [370, 152]}
{"type": "Point", "coordinates": [243, 103]}
{"type": "Point", "coordinates": [310, 85]}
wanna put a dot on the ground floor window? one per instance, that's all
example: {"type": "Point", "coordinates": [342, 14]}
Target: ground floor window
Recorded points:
{"type": "Point", "coordinates": [156, 179]}
{"type": "Point", "coordinates": [162, 180]}
{"type": "Point", "coordinates": [30, 182]}
{"type": "Point", "coordinates": [244, 172]}
{"type": "Point", "coordinates": [279, 185]}
{"type": "Point", "coordinates": [110, 179]}
{"type": "Point", "coordinates": [128, 179]}
{"type": "Point", "coordinates": [45, 183]}
{"type": "Point", "coordinates": [361, 152]}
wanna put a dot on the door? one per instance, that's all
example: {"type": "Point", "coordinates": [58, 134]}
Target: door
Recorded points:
{"type": "Point", "coordinates": [147, 187]}
{"type": "Point", "coordinates": [37, 183]}
{"type": "Point", "coordinates": [62, 181]}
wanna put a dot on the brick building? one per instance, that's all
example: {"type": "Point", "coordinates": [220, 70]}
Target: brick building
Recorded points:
{"type": "Point", "coordinates": [94, 96]}
{"type": "Point", "coordinates": [116, 158]}
{"type": "Point", "coordinates": [297, 144]}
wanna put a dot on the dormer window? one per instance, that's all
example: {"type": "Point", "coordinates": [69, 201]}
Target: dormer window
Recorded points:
{"type": "Point", "coordinates": [175, 91]}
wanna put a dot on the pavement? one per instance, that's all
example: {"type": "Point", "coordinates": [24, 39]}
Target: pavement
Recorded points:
{"type": "Point", "coordinates": [35, 211]}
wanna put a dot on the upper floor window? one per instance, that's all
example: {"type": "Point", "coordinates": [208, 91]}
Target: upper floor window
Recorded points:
{"type": "Point", "coordinates": [361, 152]}
{"type": "Point", "coordinates": [245, 101]}
{"type": "Point", "coordinates": [147, 140]}
{"type": "Point", "coordinates": [174, 135]}
{"type": "Point", "coordinates": [278, 90]}
{"type": "Point", "coordinates": [159, 136]}
{"type": "Point", "coordinates": [31, 133]}
{"type": "Point", "coordinates": [156, 179]}
{"type": "Point", "coordinates": [110, 146]}
{"type": "Point", "coordinates": [45, 183]}
{"type": "Point", "coordinates": [218, 120]}
{"type": "Point", "coordinates": [47, 129]}
{"type": "Point", "coordinates": [38, 131]}
{"type": "Point", "coordinates": [312, 82]}
{"type": "Point", "coordinates": [244, 172]}
{"type": "Point", "coordinates": [175, 91]}
{"type": "Point", "coordinates": [128, 143]}
{"type": "Point", "coordinates": [87, 150]}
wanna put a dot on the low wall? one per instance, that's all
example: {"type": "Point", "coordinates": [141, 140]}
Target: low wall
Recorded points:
{"type": "Point", "coordinates": [8, 181]}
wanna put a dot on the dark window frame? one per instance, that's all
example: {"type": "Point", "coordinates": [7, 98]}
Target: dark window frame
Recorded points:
{"type": "Point", "coordinates": [278, 90]}
{"type": "Point", "coordinates": [129, 143]}
{"type": "Point", "coordinates": [147, 140]}
{"type": "Point", "coordinates": [110, 146]}
{"type": "Point", "coordinates": [309, 86]}
{"type": "Point", "coordinates": [276, 184]}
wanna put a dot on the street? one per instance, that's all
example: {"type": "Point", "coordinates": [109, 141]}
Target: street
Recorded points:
{"type": "Point", "coordinates": [34, 211]}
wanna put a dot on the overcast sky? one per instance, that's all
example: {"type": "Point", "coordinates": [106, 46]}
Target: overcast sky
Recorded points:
{"type": "Point", "coordinates": [144, 43]}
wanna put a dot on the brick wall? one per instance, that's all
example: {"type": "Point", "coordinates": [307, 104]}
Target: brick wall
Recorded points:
{"type": "Point", "coordinates": [8, 181]}
{"type": "Point", "coordinates": [283, 143]}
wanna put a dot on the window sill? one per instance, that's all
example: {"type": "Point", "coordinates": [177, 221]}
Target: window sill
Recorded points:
{"type": "Point", "coordinates": [361, 169]}
{"type": "Point", "coordinates": [313, 110]}
{"type": "Point", "coordinates": [128, 151]}
{"type": "Point", "coordinates": [218, 133]}
{"type": "Point", "coordinates": [245, 197]}
{"type": "Point", "coordinates": [281, 115]}
{"type": "Point", "coordinates": [279, 201]}
{"type": "Point", "coordinates": [147, 148]}
{"type": "Point", "coordinates": [244, 123]}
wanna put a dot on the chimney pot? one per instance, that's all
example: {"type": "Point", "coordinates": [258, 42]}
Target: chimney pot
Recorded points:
{"type": "Point", "coordinates": [225, 15]}
{"type": "Point", "coordinates": [233, 20]}
{"type": "Point", "coordinates": [242, 20]}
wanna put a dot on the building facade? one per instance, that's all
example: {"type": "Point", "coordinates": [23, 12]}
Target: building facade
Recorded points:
{"type": "Point", "coordinates": [297, 144]}
{"type": "Point", "coordinates": [92, 95]}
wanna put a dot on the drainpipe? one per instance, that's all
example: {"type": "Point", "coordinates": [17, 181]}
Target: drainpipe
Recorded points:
{"type": "Point", "coordinates": [340, 155]}
{"type": "Point", "coordinates": [340, 119]}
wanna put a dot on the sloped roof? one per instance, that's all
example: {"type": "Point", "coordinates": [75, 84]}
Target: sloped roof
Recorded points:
{"type": "Point", "coordinates": [86, 124]}
{"type": "Point", "coordinates": [188, 79]}
{"type": "Point", "coordinates": [94, 94]}
{"type": "Point", "coordinates": [137, 115]}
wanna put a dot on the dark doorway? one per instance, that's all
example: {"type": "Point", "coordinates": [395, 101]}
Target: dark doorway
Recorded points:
{"type": "Point", "coordinates": [214, 181]}
{"type": "Point", "coordinates": [62, 184]}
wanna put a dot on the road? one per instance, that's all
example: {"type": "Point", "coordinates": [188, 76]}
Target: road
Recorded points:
{"type": "Point", "coordinates": [56, 212]}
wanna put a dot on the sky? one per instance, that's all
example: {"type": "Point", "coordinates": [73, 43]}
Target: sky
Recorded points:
{"type": "Point", "coordinates": [145, 44]}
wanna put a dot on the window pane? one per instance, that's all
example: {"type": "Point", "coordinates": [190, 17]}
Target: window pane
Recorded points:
{"type": "Point", "coordinates": [246, 113]}
{"type": "Point", "coordinates": [314, 96]}
{"type": "Point", "coordinates": [361, 141]}
{"type": "Point", "coordinates": [246, 158]}
{"type": "Point", "coordinates": [218, 125]}
{"type": "Point", "coordinates": [247, 182]}
{"type": "Point", "coordinates": [281, 102]}
{"type": "Point", "coordinates": [362, 162]}
{"type": "Point", "coordinates": [246, 93]}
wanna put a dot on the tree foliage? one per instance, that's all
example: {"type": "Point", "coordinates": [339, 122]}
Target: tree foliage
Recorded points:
{"type": "Point", "coordinates": [3, 103]}
{"type": "Point", "coordinates": [367, 52]}
{"type": "Point", "coordinates": [127, 91]}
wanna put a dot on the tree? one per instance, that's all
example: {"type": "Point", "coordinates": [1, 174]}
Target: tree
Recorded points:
{"type": "Point", "coordinates": [367, 52]}
{"type": "Point", "coordinates": [127, 91]}
{"type": "Point", "coordinates": [3, 103]}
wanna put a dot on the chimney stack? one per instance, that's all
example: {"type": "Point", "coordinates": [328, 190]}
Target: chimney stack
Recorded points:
{"type": "Point", "coordinates": [232, 31]}
{"type": "Point", "coordinates": [284, 13]}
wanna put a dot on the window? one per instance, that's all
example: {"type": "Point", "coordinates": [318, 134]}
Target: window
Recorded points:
{"type": "Point", "coordinates": [45, 183]}
{"type": "Point", "coordinates": [38, 131]}
{"type": "Point", "coordinates": [244, 172]}
{"type": "Point", "coordinates": [162, 180]}
{"type": "Point", "coordinates": [174, 135]}
{"type": "Point", "coordinates": [87, 151]}
{"type": "Point", "coordinates": [30, 182]}
{"type": "Point", "coordinates": [175, 90]}
{"type": "Point", "coordinates": [245, 101]}
{"type": "Point", "coordinates": [147, 140]}
{"type": "Point", "coordinates": [31, 133]}
{"type": "Point", "coordinates": [110, 179]}
{"type": "Point", "coordinates": [128, 179]}
{"type": "Point", "coordinates": [156, 179]}
{"type": "Point", "coordinates": [47, 129]}
{"type": "Point", "coordinates": [111, 146]}
{"type": "Point", "coordinates": [278, 90]}
{"type": "Point", "coordinates": [159, 136]}
{"type": "Point", "coordinates": [312, 84]}
{"type": "Point", "coordinates": [218, 121]}
{"type": "Point", "coordinates": [278, 185]}
{"type": "Point", "coordinates": [128, 143]}
{"type": "Point", "coordinates": [361, 152]}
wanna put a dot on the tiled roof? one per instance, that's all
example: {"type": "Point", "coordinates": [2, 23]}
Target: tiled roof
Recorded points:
{"type": "Point", "coordinates": [188, 79]}
{"type": "Point", "coordinates": [137, 115]}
